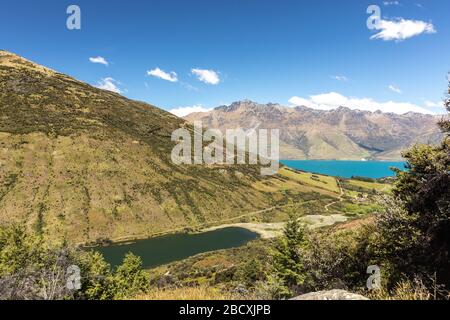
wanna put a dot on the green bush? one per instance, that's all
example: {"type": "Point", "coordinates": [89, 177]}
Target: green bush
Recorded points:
{"type": "Point", "coordinates": [31, 268]}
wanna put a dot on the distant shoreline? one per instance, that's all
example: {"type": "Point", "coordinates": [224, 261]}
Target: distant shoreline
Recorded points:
{"type": "Point", "coordinates": [346, 168]}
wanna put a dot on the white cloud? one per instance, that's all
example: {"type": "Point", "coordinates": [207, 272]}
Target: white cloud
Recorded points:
{"type": "Point", "coordinates": [298, 101]}
{"type": "Point", "coordinates": [207, 76]}
{"type": "Point", "coordinates": [437, 107]}
{"type": "Point", "coordinates": [100, 60]}
{"type": "Point", "coordinates": [109, 84]}
{"type": "Point", "coordinates": [158, 73]}
{"type": "Point", "coordinates": [401, 29]}
{"type": "Point", "coordinates": [395, 89]}
{"type": "Point", "coordinates": [184, 111]}
{"type": "Point", "coordinates": [391, 3]}
{"type": "Point", "coordinates": [431, 104]}
{"type": "Point", "coordinates": [189, 86]}
{"type": "Point", "coordinates": [333, 100]}
{"type": "Point", "coordinates": [339, 78]}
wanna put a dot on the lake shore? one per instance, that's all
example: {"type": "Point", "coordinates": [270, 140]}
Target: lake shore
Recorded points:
{"type": "Point", "coordinates": [275, 230]}
{"type": "Point", "coordinates": [264, 230]}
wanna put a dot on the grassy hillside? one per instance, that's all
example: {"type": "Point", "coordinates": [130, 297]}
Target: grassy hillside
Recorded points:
{"type": "Point", "coordinates": [86, 164]}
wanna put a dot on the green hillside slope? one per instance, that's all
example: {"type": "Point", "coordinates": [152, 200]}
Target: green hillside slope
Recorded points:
{"type": "Point", "coordinates": [87, 164]}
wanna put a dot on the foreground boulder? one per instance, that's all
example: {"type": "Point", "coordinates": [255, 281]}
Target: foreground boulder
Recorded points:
{"type": "Point", "coordinates": [331, 295]}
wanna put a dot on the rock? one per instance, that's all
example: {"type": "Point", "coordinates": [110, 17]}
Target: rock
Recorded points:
{"type": "Point", "coordinates": [330, 295]}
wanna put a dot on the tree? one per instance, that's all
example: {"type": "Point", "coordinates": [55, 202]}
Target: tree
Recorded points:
{"type": "Point", "coordinates": [96, 274]}
{"type": "Point", "coordinates": [414, 232]}
{"type": "Point", "coordinates": [32, 269]}
{"type": "Point", "coordinates": [129, 279]}
{"type": "Point", "coordinates": [252, 272]}
{"type": "Point", "coordinates": [288, 264]}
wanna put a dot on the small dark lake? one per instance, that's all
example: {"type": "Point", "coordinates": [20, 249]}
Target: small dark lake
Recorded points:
{"type": "Point", "coordinates": [170, 248]}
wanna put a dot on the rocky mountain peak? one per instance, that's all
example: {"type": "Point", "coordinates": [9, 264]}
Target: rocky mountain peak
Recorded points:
{"type": "Point", "coordinates": [341, 133]}
{"type": "Point", "coordinates": [250, 106]}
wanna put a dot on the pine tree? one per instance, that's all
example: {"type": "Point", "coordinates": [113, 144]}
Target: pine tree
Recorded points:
{"type": "Point", "coordinates": [129, 279]}
{"type": "Point", "coordinates": [288, 266]}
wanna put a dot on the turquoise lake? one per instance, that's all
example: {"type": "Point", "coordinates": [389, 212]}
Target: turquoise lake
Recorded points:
{"type": "Point", "coordinates": [165, 249]}
{"type": "Point", "coordinates": [346, 169]}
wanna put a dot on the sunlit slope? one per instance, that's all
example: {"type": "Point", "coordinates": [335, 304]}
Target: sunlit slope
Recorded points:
{"type": "Point", "coordinates": [87, 164]}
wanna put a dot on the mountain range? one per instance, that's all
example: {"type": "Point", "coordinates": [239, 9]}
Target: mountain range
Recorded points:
{"type": "Point", "coordinates": [339, 134]}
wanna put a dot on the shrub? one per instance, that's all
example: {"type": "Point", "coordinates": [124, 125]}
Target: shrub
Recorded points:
{"type": "Point", "coordinates": [31, 268]}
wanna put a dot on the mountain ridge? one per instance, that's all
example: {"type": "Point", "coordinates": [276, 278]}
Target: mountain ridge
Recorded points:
{"type": "Point", "coordinates": [249, 102]}
{"type": "Point", "coordinates": [338, 134]}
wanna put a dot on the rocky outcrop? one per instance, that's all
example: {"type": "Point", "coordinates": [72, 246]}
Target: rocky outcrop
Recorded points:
{"type": "Point", "coordinates": [331, 295]}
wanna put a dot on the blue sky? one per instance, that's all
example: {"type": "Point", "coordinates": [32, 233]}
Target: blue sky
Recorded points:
{"type": "Point", "coordinates": [205, 53]}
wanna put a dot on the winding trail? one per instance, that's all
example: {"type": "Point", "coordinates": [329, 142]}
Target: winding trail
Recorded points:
{"type": "Point", "coordinates": [263, 211]}
{"type": "Point", "coordinates": [341, 197]}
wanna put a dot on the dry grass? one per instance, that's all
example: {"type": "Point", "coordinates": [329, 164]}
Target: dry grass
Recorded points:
{"type": "Point", "coordinates": [355, 224]}
{"type": "Point", "coordinates": [188, 293]}
{"type": "Point", "coordinates": [381, 187]}
{"type": "Point", "coordinates": [405, 290]}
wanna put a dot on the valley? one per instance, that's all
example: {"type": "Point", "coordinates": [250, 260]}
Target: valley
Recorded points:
{"type": "Point", "coordinates": [93, 169]}
{"type": "Point", "coordinates": [340, 206]}
{"type": "Point", "coordinates": [91, 166]}
{"type": "Point", "coordinates": [260, 153]}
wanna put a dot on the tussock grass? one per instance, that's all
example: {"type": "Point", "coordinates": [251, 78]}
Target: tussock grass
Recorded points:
{"type": "Point", "coordinates": [189, 293]}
